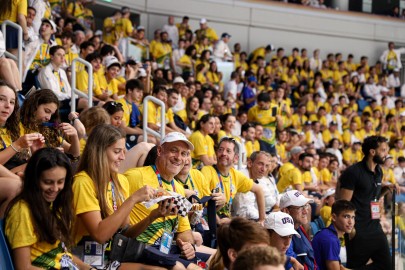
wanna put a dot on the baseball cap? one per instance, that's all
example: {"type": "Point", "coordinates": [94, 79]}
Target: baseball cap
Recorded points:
{"type": "Point", "coordinates": [296, 150]}
{"type": "Point", "coordinates": [308, 123]}
{"type": "Point", "coordinates": [225, 35]}
{"type": "Point", "coordinates": [98, 33]}
{"type": "Point", "coordinates": [396, 70]}
{"type": "Point", "coordinates": [141, 72]}
{"type": "Point", "coordinates": [203, 21]}
{"type": "Point", "coordinates": [270, 47]}
{"type": "Point", "coordinates": [333, 123]}
{"type": "Point", "coordinates": [282, 223]}
{"type": "Point", "coordinates": [252, 78]}
{"type": "Point", "coordinates": [111, 60]}
{"type": "Point", "coordinates": [177, 136]}
{"type": "Point", "coordinates": [293, 198]}
{"type": "Point", "coordinates": [178, 80]}
{"type": "Point", "coordinates": [52, 23]}
{"type": "Point", "coordinates": [329, 192]}
{"type": "Point", "coordinates": [140, 28]}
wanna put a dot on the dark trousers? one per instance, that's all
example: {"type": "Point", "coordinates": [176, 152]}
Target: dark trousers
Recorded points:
{"type": "Point", "coordinates": [367, 246]}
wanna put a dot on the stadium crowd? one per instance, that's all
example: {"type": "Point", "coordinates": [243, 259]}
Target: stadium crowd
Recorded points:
{"type": "Point", "coordinates": [321, 144]}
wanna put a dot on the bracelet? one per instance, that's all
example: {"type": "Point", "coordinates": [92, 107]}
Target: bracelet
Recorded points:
{"type": "Point", "coordinates": [15, 149]}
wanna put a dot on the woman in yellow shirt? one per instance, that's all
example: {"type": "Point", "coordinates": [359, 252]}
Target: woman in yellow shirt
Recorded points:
{"type": "Point", "coordinates": [39, 221]}
{"type": "Point", "coordinates": [101, 201]}
{"type": "Point", "coordinates": [228, 122]}
{"type": "Point", "coordinates": [214, 77]}
{"type": "Point", "coordinates": [187, 61]}
{"type": "Point", "coordinates": [192, 113]}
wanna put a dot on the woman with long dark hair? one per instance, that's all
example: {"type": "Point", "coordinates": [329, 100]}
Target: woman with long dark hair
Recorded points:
{"type": "Point", "coordinates": [39, 221]}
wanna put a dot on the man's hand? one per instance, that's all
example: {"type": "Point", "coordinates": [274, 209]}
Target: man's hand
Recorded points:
{"type": "Point", "coordinates": [219, 199]}
{"type": "Point", "coordinates": [187, 249]}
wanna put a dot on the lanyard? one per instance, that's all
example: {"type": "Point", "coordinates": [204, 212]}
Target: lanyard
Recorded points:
{"type": "Point", "coordinates": [114, 201]}
{"type": "Point", "coordinates": [61, 84]}
{"type": "Point", "coordinates": [160, 178]}
{"type": "Point", "coordinates": [41, 57]}
{"type": "Point", "coordinates": [222, 186]}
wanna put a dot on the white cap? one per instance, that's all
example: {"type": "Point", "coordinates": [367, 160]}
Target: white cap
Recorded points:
{"type": "Point", "coordinates": [396, 70]}
{"type": "Point", "coordinates": [98, 33]}
{"type": "Point", "coordinates": [52, 23]}
{"type": "Point", "coordinates": [293, 198]}
{"type": "Point", "coordinates": [176, 136]}
{"type": "Point", "coordinates": [178, 80]}
{"type": "Point", "coordinates": [111, 60]}
{"type": "Point", "coordinates": [384, 89]}
{"type": "Point", "coordinates": [329, 192]}
{"type": "Point", "coordinates": [354, 74]}
{"type": "Point", "coordinates": [282, 223]}
{"type": "Point", "coordinates": [203, 21]}
{"type": "Point", "coordinates": [141, 72]}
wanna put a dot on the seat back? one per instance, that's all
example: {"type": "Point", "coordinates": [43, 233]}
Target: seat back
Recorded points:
{"type": "Point", "coordinates": [6, 263]}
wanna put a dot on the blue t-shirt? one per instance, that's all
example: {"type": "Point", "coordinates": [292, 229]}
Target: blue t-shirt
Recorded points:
{"type": "Point", "coordinates": [247, 92]}
{"type": "Point", "coordinates": [326, 246]}
{"type": "Point", "coordinates": [289, 253]}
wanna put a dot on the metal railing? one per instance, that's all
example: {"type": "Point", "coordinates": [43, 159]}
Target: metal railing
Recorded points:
{"type": "Point", "coordinates": [18, 58]}
{"type": "Point", "coordinates": [76, 91]}
{"type": "Point", "coordinates": [240, 161]}
{"type": "Point", "coordinates": [128, 52]}
{"type": "Point", "coordinates": [147, 129]}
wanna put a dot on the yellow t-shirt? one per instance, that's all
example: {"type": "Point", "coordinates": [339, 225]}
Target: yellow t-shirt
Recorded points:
{"type": "Point", "coordinates": [233, 183]}
{"type": "Point", "coordinates": [139, 177]}
{"type": "Point", "coordinates": [326, 214]}
{"type": "Point", "coordinates": [252, 147]}
{"type": "Point", "coordinates": [42, 57]}
{"type": "Point", "coordinates": [82, 82]}
{"type": "Point", "coordinates": [266, 119]}
{"type": "Point", "coordinates": [388, 175]}
{"type": "Point", "coordinates": [327, 136]}
{"type": "Point", "coordinates": [325, 175]}
{"type": "Point", "coordinates": [78, 10]}
{"type": "Point", "coordinates": [162, 53]}
{"type": "Point", "coordinates": [290, 178]}
{"type": "Point", "coordinates": [154, 114]}
{"type": "Point", "coordinates": [351, 157]}
{"type": "Point", "coordinates": [203, 145]}
{"type": "Point", "coordinates": [197, 182]}
{"type": "Point", "coordinates": [109, 37]}
{"type": "Point", "coordinates": [69, 57]}
{"type": "Point", "coordinates": [280, 147]}
{"type": "Point", "coordinates": [124, 26]}
{"type": "Point", "coordinates": [183, 115]}
{"type": "Point", "coordinates": [20, 232]}
{"type": "Point", "coordinates": [85, 199]}
{"type": "Point", "coordinates": [18, 7]}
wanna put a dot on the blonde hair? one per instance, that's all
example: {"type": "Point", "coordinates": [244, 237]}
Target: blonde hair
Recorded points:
{"type": "Point", "coordinates": [95, 163]}
{"type": "Point", "coordinates": [254, 257]}
{"type": "Point", "coordinates": [93, 117]}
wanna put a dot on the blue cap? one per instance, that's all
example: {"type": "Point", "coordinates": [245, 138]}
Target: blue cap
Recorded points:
{"type": "Point", "coordinates": [252, 78]}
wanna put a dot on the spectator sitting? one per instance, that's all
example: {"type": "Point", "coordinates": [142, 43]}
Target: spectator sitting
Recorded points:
{"type": "Point", "coordinates": [256, 258]}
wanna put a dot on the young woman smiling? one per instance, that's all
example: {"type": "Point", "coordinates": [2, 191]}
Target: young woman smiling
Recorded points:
{"type": "Point", "coordinates": [39, 220]}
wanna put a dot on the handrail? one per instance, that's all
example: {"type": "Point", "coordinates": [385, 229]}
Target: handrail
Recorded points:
{"type": "Point", "coordinates": [18, 58]}
{"type": "Point", "coordinates": [240, 155]}
{"type": "Point", "coordinates": [76, 91]}
{"type": "Point", "coordinates": [147, 129]}
{"type": "Point", "coordinates": [127, 56]}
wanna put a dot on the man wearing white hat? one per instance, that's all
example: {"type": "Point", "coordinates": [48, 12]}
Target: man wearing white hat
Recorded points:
{"type": "Point", "coordinates": [294, 203]}
{"type": "Point", "coordinates": [281, 229]}
{"type": "Point", "coordinates": [206, 31]}
{"type": "Point", "coordinates": [172, 153]}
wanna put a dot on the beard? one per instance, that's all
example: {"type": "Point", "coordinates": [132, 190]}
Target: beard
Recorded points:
{"type": "Point", "coordinates": [378, 159]}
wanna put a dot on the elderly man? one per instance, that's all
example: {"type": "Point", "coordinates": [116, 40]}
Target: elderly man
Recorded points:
{"type": "Point", "coordinates": [259, 165]}
{"type": "Point", "coordinates": [172, 153]}
{"type": "Point", "coordinates": [294, 203]}
{"type": "Point", "coordinates": [224, 178]}
{"type": "Point", "coordinates": [222, 51]}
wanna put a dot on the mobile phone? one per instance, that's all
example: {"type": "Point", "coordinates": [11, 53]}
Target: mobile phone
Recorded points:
{"type": "Point", "coordinates": [145, 66]}
{"type": "Point", "coordinates": [274, 111]}
{"type": "Point", "coordinates": [215, 190]}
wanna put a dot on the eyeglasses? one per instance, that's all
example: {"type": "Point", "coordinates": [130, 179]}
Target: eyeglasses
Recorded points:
{"type": "Point", "coordinates": [300, 208]}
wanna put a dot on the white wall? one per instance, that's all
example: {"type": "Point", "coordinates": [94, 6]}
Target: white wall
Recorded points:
{"type": "Point", "coordinates": [257, 23]}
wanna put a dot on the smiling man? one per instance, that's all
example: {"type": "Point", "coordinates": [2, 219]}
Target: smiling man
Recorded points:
{"type": "Point", "coordinates": [223, 178]}
{"type": "Point", "coordinates": [172, 153]}
{"type": "Point", "coordinates": [326, 243]}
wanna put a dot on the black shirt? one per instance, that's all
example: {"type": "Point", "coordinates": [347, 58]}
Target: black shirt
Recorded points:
{"type": "Point", "coordinates": [366, 186]}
